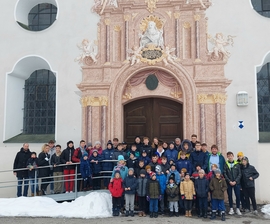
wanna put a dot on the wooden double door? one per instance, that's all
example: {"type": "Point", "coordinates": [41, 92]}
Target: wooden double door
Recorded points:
{"type": "Point", "coordinates": [153, 117]}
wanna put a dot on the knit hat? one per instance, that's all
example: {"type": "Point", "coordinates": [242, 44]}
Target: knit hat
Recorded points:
{"type": "Point", "coordinates": [198, 164]}
{"type": "Point", "coordinates": [187, 174]}
{"type": "Point", "coordinates": [240, 154]}
{"type": "Point", "coordinates": [245, 158]}
{"type": "Point", "coordinates": [33, 153]}
{"type": "Point", "coordinates": [131, 153]}
{"type": "Point", "coordinates": [173, 164]}
{"type": "Point", "coordinates": [172, 142]}
{"type": "Point", "coordinates": [144, 151]}
{"type": "Point", "coordinates": [172, 177]}
{"type": "Point", "coordinates": [97, 143]}
{"type": "Point", "coordinates": [152, 174]}
{"type": "Point", "coordinates": [109, 143]}
{"type": "Point", "coordinates": [95, 151]}
{"type": "Point", "coordinates": [156, 154]}
{"type": "Point", "coordinates": [131, 169]}
{"type": "Point", "coordinates": [124, 143]}
{"type": "Point", "coordinates": [143, 172]}
{"type": "Point", "coordinates": [148, 167]}
{"type": "Point", "coordinates": [201, 171]}
{"type": "Point", "coordinates": [117, 171]}
{"type": "Point", "coordinates": [85, 154]}
{"type": "Point", "coordinates": [217, 171]}
{"type": "Point", "coordinates": [89, 144]}
{"type": "Point", "coordinates": [158, 169]}
{"type": "Point", "coordinates": [120, 157]}
{"type": "Point", "coordinates": [70, 142]}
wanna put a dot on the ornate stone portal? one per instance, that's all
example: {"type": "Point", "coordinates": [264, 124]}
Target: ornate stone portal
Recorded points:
{"type": "Point", "coordinates": [166, 38]}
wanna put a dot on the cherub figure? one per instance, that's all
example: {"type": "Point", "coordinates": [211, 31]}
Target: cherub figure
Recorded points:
{"type": "Point", "coordinates": [89, 49]}
{"type": "Point", "coordinates": [103, 4]}
{"type": "Point", "coordinates": [219, 43]}
{"type": "Point", "coordinates": [169, 58]}
{"type": "Point", "coordinates": [135, 57]}
{"type": "Point", "coordinates": [201, 1]}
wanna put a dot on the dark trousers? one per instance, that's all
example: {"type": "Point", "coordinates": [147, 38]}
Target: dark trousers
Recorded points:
{"type": "Point", "coordinates": [242, 199]}
{"type": "Point", "coordinates": [188, 205]}
{"type": "Point", "coordinates": [96, 182]}
{"type": "Point", "coordinates": [116, 203]}
{"type": "Point", "coordinates": [236, 189]}
{"type": "Point", "coordinates": [250, 194]}
{"type": "Point", "coordinates": [106, 181]}
{"type": "Point", "coordinates": [87, 183]}
{"type": "Point", "coordinates": [43, 184]}
{"type": "Point", "coordinates": [202, 203]}
{"type": "Point", "coordinates": [142, 203]}
{"type": "Point", "coordinates": [218, 204]}
{"type": "Point", "coordinates": [20, 184]}
{"type": "Point", "coordinates": [153, 205]}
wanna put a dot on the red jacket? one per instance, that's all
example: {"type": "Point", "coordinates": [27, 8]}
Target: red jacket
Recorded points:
{"type": "Point", "coordinates": [116, 187]}
{"type": "Point", "coordinates": [76, 158]}
{"type": "Point", "coordinates": [99, 151]}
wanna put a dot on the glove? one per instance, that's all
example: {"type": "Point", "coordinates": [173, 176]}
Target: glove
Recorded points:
{"type": "Point", "coordinates": [160, 197]}
{"type": "Point", "coordinates": [147, 198]}
{"type": "Point", "coordinates": [194, 197]}
{"type": "Point", "coordinates": [183, 197]}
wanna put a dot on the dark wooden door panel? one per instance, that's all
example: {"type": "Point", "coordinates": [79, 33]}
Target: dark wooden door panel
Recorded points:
{"type": "Point", "coordinates": [153, 117]}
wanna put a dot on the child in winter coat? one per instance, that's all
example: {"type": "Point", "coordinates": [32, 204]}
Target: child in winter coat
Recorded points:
{"type": "Point", "coordinates": [211, 174]}
{"type": "Point", "coordinates": [134, 150]}
{"type": "Point", "coordinates": [172, 191]}
{"type": "Point", "coordinates": [130, 185]}
{"type": "Point", "coordinates": [96, 167]}
{"type": "Point", "coordinates": [144, 157]}
{"type": "Point", "coordinates": [165, 167]}
{"type": "Point", "coordinates": [218, 186]}
{"type": "Point", "coordinates": [183, 162]}
{"type": "Point", "coordinates": [141, 193]}
{"type": "Point", "coordinates": [116, 189]}
{"type": "Point", "coordinates": [57, 170]}
{"type": "Point", "coordinates": [162, 183]}
{"type": "Point", "coordinates": [153, 195]}
{"type": "Point", "coordinates": [86, 171]}
{"type": "Point", "coordinates": [139, 168]}
{"type": "Point", "coordinates": [202, 188]}
{"type": "Point", "coordinates": [187, 191]}
{"type": "Point", "coordinates": [32, 164]}
{"type": "Point", "coordinates": [121, 168]}
{"type": "Point", "coordinates": [175, 172]}
{"type": "Point", "coordinates": [132, 162]}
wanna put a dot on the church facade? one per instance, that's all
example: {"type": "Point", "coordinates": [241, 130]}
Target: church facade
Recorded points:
{"type": "Point", "coordinates": [123, 68]}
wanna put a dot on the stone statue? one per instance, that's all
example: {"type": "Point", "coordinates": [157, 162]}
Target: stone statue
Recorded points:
{"type": "Point", "coordinates": [201, 1]}
{"type": "Point", "coordinates": [103, 4]}
{"type": "Point", "coordinates": [135, 55]}
{"type": "Point", "coordinates": [219, 43]}
{"type": "Point", "coordinates": [89, 49]}
{"type": "Point", "coordinates": [169, 58]}
{"type": "Point", "coordinates": [152, 35]}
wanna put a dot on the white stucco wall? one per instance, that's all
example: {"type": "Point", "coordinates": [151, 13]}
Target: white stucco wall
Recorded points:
{"type": "Point", "coordinates": [76, 22]}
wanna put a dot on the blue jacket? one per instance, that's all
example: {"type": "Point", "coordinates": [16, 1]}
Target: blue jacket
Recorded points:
{"type": "Point", "coordinates": [95, 167]}
{"type": "Point", "coordinates": [162, 182]}
{"type": "Point", "coordinates": [146, 160]}
{"type": "Point", "coordinates": [123, 171]}
{"type": "Point", "coordinates": [130, 181]}
{"type": "Point", "coordinates": [183, 163]}
{"type": "Point", "coordinates": [176, 176]}
{"type": "Point", "coordinates": [202, 187]}
{"type": "Point", "coordinates": [85, 168]}
{"type": "Point", "coordinates": [107, 154]}
{"type": "Point", "coordinates": [171, 154]}
{"type": "Point", "coordinates": [221, 162]}
{"type": "Point", "coordinates": [198, 157]}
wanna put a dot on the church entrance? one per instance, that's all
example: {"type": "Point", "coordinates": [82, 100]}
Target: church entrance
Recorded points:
{"type": "Point", "coordinates": [153, 117]}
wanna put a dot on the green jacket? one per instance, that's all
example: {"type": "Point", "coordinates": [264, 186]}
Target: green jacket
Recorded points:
{"type": "Point", "coordinates": [153, 189]}
{"type": "Point", "coordinates": [218, 186]}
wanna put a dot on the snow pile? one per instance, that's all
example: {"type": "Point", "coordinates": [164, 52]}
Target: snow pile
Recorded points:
{"type": "Point", "coordinates": [266, 210]}
{"type": "Point", "coordinates": [95, 204]}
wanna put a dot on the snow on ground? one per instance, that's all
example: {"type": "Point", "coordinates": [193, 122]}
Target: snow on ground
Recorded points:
{"type": "Point", "coordinates": [95, 204]}
{"type": "Point", "coordinates": [266, 210]}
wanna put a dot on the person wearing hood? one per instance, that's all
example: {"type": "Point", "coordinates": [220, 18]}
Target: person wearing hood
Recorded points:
{"type": "Point", "coordinates": [20, 162]}
{"type": "Point", "coordinates": [107, 154]}
{"type": "Point", "coordinates": [249, 174]}
{"type": "Point", "coordinates": [130, 186]}
{"type": "Point", "coordinates": [96, 167]}
{"type": "Point", "coordinates": [76, 158]}
{"type": "Point", "coordinates": [198, 157]}
{"type": "Point", "coordinates": [86, 171]}
{"type": "Point", "coordinates": [186, 147]}
{"type": "Point", "coordinates": [171, 153]}
{"type": "Point", "coordinates": [69, 170]}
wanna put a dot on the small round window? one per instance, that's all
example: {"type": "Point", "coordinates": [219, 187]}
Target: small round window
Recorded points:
{"type": "Point", "coordinates": [36, 17]}
{"type": "Point", "coordinates": [262, 7]}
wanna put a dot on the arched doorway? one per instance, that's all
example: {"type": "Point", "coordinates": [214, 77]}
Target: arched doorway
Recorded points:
{"type": "Point", "coordinates": [153, 117]}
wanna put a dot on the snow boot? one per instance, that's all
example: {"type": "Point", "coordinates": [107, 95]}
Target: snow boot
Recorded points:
{"type": "Point", "coordinates": [186, 214]}
{"type": "Point", "coordinates": [140, 214]}
{"type": "Point", "coordinates": [177, 214]}
{"type": "Point", "coordinates": [143, 214]}
{"type": "Point", "coordinates": [189, 213]}
{"type": "Point", "coordinates": [155, 214]}
{"type": "Point", "coordinates": [171, 214]}
{"type": "Point", "coordinates": [127, 213]}
{"type": "Point", "coordinates": [223, 216]}
{"type": "Point", "coordinates": [131, 213]}
{"type": "Point", "coordinates": [213, 215]}
{"type": "Point", "coordinates": [151, 215]}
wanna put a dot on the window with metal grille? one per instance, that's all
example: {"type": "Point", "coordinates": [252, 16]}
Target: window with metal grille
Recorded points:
{"type": "Point", "coordinates": [263, 94]}
{"type": "Point", "coordinates": [41, 16]}
{"type": "Point", "coordinates": [262, 7]}
{"type": "Point", "coordinates": [39, 103]}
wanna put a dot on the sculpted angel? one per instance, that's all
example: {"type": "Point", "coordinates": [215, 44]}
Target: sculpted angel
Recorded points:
{"type": "Point", "coordinates": [103, 4]}
{"type": "Point", "coordinates": [135, 55]}
{"type": "Point", "coordinates": [152, 35]}
{"type": "Point", "coordinates": [169, 58]}
{"type": "Point", "coordinates": [89, 49]}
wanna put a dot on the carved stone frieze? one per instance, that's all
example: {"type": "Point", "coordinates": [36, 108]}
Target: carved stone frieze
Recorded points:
{"type": "Point", "coordinates": [94, 101]}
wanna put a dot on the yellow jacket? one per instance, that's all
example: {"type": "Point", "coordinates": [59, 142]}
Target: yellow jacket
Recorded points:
{"type": "Point", "coordinates": [187, 189]}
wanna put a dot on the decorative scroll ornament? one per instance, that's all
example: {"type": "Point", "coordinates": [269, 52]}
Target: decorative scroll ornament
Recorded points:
{"type": "Point", "coordinates": [89, 52]}
{"type": "Point", "coordinates": [94, 101]}
{"type": "Point", "coordinates": [219, 52]}
{"type": "Point", "coordinates": [151, 5]}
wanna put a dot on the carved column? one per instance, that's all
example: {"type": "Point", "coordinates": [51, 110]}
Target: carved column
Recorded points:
{"type": "Point", "coordinates": [89, 124]}
{"type": "Point", "coordinates": [197, 36]}
{"type": "Point", "coordinates": [201, 100]}
{"type": "Point", "coordinates": [177, 34]}
{"type": "Point", "coordinates": [84, 117]}
{"type": "Point", "coordinates": [103, 103]}
{"type": "Point", "coordinates": [107, 22]}
{"type": "Point", "coordinates": [126, 18]}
